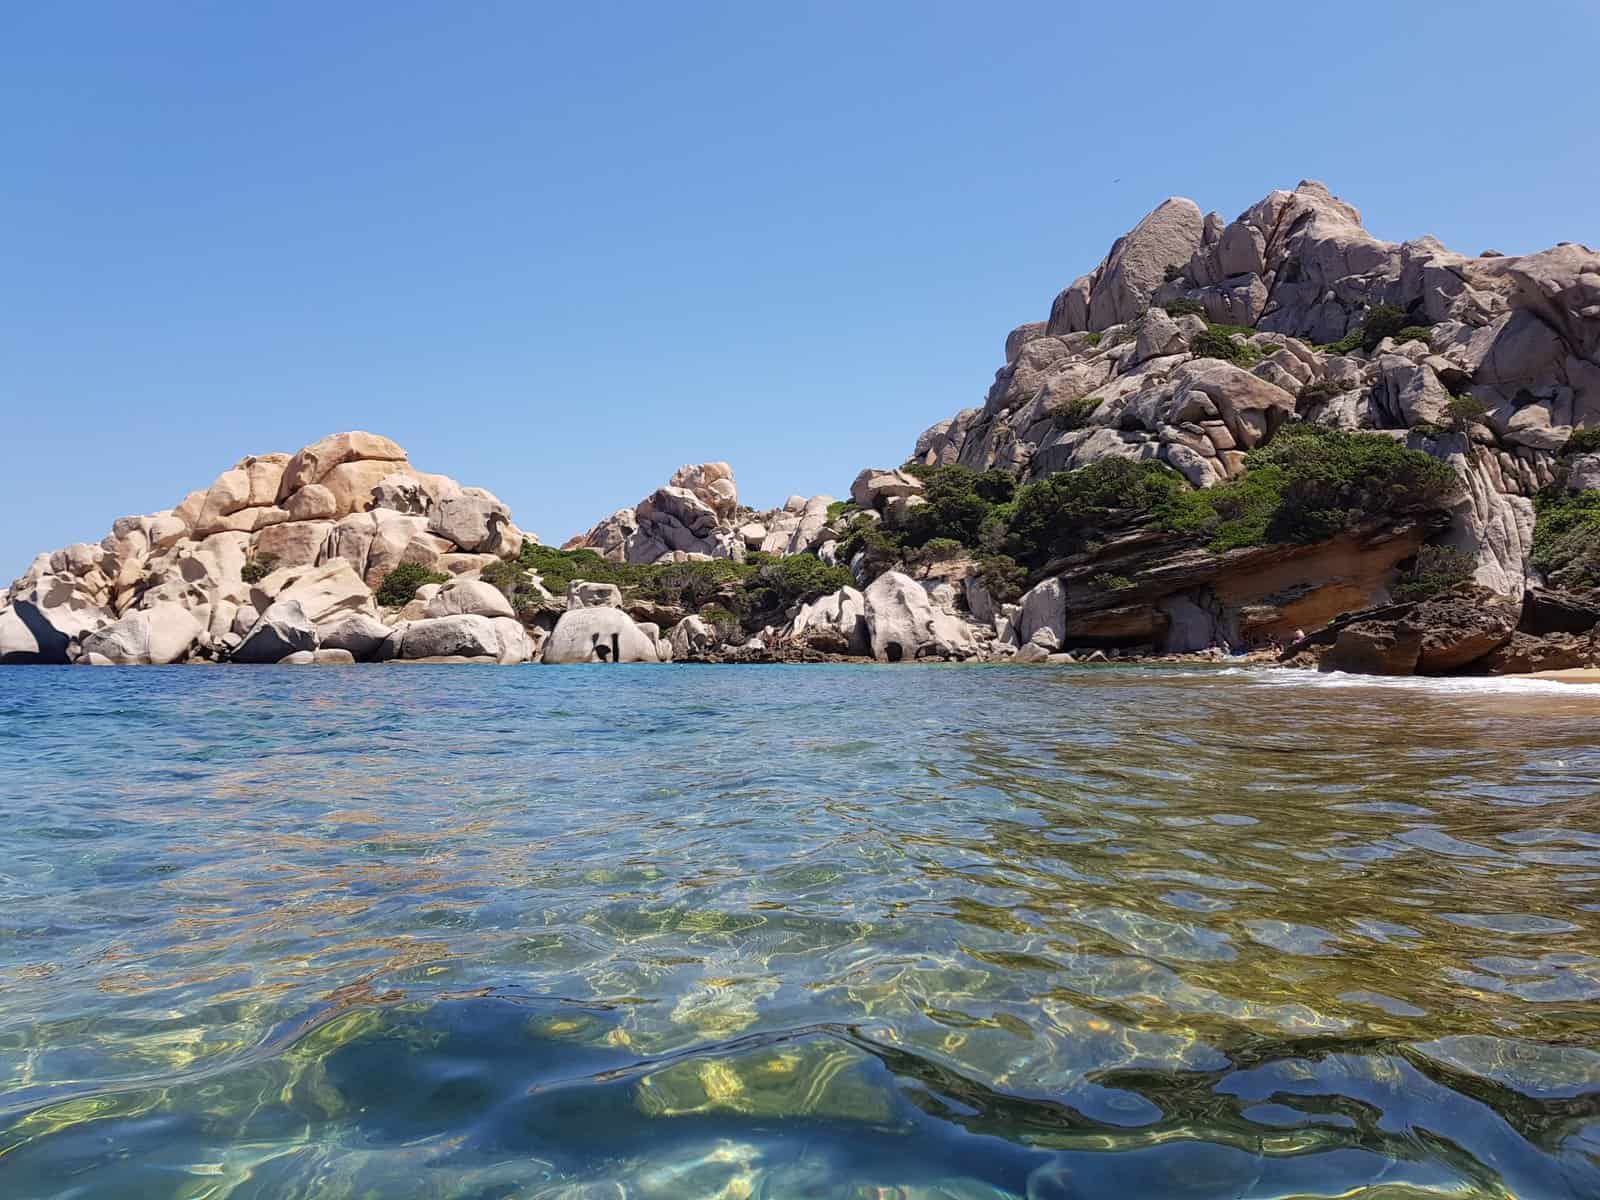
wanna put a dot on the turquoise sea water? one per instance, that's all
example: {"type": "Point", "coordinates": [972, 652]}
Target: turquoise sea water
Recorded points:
{"type": "Point", "coordinates": [796, 932]}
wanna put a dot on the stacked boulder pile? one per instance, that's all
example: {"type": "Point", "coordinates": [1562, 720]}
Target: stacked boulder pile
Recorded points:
{"type": "Point", "coordinates": [696, 516]}
{"type": "Point", "coordinates": [278, 561]}
{"type": "Point", "coordinates": [1113, 372]}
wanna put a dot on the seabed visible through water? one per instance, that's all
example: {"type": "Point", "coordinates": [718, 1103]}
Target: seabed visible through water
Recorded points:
{"type": "Point", "coordinates": [819, 931]}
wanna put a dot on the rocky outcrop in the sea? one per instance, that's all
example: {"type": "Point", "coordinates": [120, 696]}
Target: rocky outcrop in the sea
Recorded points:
{"type": "Point", "coordinates": [696, 516]}
{"type": "Point", "coordinates": [1134, 360]}
{"type": "Point", "coordinates": [279, 557]}
{"type": "Point", "coordinates": [1473, 631]}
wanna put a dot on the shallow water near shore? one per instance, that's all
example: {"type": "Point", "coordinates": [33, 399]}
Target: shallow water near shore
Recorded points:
{"type": "Point", "coordinates": [819, 931]}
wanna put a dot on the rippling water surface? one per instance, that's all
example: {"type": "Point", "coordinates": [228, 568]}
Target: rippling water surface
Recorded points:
{"type": "Point", "coordinates": [796, 932]}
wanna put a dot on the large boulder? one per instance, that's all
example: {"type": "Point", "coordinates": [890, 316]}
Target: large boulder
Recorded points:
{"type": "Point", "coordinates": [326, 594]}
{"type": "Point", "coordinates": [1251, 407]}
{"type": "Point", "coordinates": [361, 635]}
{"type": "Point", "coordinates": [293, 543]}
{"type": "Point", "coordinates": [1439, 636]}
{"type": "Point", "coordinates": [154, 636]}
{"type": "Point", "coordinates": [465, 636]}
{"type": "Point", "coordinates": [1121, 287]}
{"type": "Point", "coordinates": [693, 637]}
{"type": "Point", "coordinates": [583, 594]}
{"type": "Point", "coordinates": [315, 462]}
{"type": "Point", "coordinates": [1044, 608]}
{"type": "Point", "coordinates": [712, 484]}
{"type": "Point", "coordinates": [283, 629]}
{"type": "Point", "coordinates": [17, 641]}
{"type": "Point", "coordinates": [903, 623]}
{"type": "Point", "coordinates": [1525, 652]}
{"type": "Point", "coordinates": [477, 522]}
{"type": "Point", "coordinates": [873, 488]}
{"type": "Point", "coordinates": [472, 597]}
{"type": "Point", "coordinates": [600, 634]}
{"type": "Point", "coordinates": [836, 623]}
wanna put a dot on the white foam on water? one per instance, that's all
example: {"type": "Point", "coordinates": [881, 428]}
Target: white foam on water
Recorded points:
{"type": "Point", "coordinates": [1460, 685]}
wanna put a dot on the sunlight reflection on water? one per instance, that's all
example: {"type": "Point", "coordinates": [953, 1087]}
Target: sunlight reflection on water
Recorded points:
{"type": "Point", "coordinates": [679, 931]}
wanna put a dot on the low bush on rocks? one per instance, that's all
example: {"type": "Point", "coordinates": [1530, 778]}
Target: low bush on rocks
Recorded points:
{"type": "Point", "coordinates": [399, 586]}
{"type": "Point", "coordinates": [1437, 570]}
{"type": "Point", "coordinates": [1108, 582]}
{"type": "Point", "coordinates": [1583, 441]}
{"type": "Point", "coordinates": [1566, 537]}
{"type": "Point", "coordinates": [1319, 390]}
{"type": "Point", "coordinates": [1074, 414]}
{"type": "Point", "coordinates": [1216, 341]}
{"type": "Point", "coordinates": [1463, 412]}
{"type": "Point", "coordinates": [762, 585]}
{"type": "Point", "coordinates": [257, 567]}
{"type": "Point", "coordinates": [1056, 515]}
{"type": "Point", "coordinates": [1381, 321]}
{"type": "Point", "coordinates": [1184, 308]}
{"type": "Point", "coordinates": [958, 502]}
{"type": "Point", "coordinates": [1310, 483]}
{"type": "Point", "coordinates": [1003, 577]}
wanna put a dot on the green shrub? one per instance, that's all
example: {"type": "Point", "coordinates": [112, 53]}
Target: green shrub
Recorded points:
{"type": "Point", "coordinates": [958, 502]}
{"type": "Point", "coordinates": [1230, 515]}
{"type": "Point", "coordinates": [1093, 339]}
{"type": "Point", "coordinates": [1582, 441]}
{"type": "Point", "coordinates": [1056, 515]}
{"type": "Point", "coordinates": [400, 585]}
{"type": "Point", "coordinates": [840, 508]}
{"type": "Point", "coordinates": [1309, 483]}
{"type": "Point", "coordinates": [794, 580]}
{"type": "Point", "coordinates": [1349, 343]}
{"type": "Point", "coordinates": [1319, 390]}
{"type": "Point", "coordinates": [1463, 412]}
{"type": "Point", "coordinates": [1216, 341]}
{"type": "Point", "coordinates": [1107, 582]}
{"type": "Point", "coordinates": [1381, 321]}
{"type": "Point", "coordinates": [1003, 577]}
{"type": "Point", "coordinates": [693, 584]}
{"type": "Point", "coordinates": [725, 622]}
{"type": "Point", "coordinates": [1566, 537]}
{"type": "Point", "coordinates": [1334, 480]}
{"type": "Point", "coordinates": [939, 549]}
{"type": "Point", "coordinates": [1436, 570]}
{"type": "Point", "coordinates": [257, 567]}
{"type": "Point", "coordinates": [1184, 308]}
{"type": "Point", "coordinates": [1074, 414]}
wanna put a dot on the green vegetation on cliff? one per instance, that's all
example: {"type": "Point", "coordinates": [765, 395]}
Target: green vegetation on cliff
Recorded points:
{"type": "Point", "coordinates": [1566, 537]}
{"type": "Point", "coordinates": [1308, 483]}
{"type": "Point", "coordinates": [763, 583]}
{"type": "Point", "coordinates": [400, 585]}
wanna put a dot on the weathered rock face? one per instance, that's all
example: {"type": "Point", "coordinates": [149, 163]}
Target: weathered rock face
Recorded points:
{"type": "Point", "coordinates": [319, 528]}
{"type": "Point", "coordinates": [903, 623]}
{"type": "Point", "coordinates": [154, 636]}
{"type": "Point", "coordinates": [697, 516]}
{"type": "Point", "coordinates": [692, 638]}
{"type": "Point", "coordinates": [461, 636]}
{"type": "Point", "coordinates": [835, 624]}
{"type": "Point", "coordinates": [282, 630]}
{"type": "Point", "coordinates": [598, 634]}
{"type": "Point", "coordinates": [1113, 373]}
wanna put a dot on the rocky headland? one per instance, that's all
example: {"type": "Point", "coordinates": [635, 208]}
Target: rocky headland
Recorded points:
{"type": "Point", "coordinates": [1277, 433]}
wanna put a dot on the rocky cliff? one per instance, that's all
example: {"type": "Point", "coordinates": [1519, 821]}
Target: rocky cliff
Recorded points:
{"type": "Point", "coordinates": [1227, 432]}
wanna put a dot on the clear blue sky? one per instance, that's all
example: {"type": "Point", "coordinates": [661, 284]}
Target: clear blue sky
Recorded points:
{"type": "Point", "coordinates": [557, 250]}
